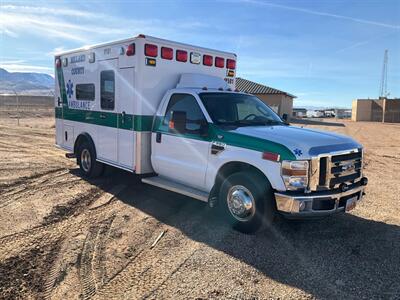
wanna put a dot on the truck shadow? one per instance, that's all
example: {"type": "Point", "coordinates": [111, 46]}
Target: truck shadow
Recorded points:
{"type": "Point", "coordinates": [344, 256]}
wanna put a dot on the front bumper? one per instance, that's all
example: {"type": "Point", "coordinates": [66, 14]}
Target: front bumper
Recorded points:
{"type": "Point", "coordinates": [299, 206]}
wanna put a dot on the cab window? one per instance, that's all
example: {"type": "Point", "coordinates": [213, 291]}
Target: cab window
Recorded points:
{"type": "Point", "coordinates": [188, 104]}
{"type": "Point", "coordinates": [107, 90]}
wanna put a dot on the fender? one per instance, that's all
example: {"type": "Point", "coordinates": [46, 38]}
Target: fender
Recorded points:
{"type": "Point", "coordinates": [81, 137]}
{"type": "Point", "coordinates": [271, 170]}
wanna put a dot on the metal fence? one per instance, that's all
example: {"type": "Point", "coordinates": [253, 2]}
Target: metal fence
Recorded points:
{"type": "Point", "coordinates": [14, 108]}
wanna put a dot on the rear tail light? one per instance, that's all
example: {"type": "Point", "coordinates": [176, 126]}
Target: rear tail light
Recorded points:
{"type": "Point", "coordinates": [150, 50]}
{"type": "Point", "coordinates": [207, 60]}
{"type": "Point", "coordinates": [181, 55]}
{"type": "Point", "coordinates": [219, 62]}
{"type": "Point", "coordinates": [167, 53]}
{"type": "Point", "coordinates": [131, 50]}
{"type": "Point", "coordinates": [58, 63]}
{"type": "Point", "coordinates": [231, 64]}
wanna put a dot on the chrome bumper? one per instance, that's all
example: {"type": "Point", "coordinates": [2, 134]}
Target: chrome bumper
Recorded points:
{"type": "Point", "coordinates": [317, 205]}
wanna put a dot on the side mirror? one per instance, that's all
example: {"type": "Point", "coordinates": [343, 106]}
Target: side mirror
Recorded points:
{"type": "Point", "coordinates": [177, 122]}
{"type": "Point", "coordinates": [285, 118]}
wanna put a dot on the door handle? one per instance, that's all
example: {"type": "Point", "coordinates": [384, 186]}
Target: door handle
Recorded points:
{"type": "Point", "coordinates": [102, 116]}
{"type": "Point", "coordinates": [123, 117]}
{"type": "Point", "coordinates": [158, 137]}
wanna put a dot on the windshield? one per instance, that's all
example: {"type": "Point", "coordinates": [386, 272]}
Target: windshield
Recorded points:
{"type": "Point", "coordinates": [238, 110]}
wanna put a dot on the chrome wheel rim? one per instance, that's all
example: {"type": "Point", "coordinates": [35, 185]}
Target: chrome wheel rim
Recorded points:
{"type": "Point", "coordinates": [241, 203]}
{"type": "Point", "coordinates": [86, 160]}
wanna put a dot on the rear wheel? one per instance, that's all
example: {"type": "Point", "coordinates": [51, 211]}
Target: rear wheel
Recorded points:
{"type": "Point", "coordinates": [246, 201]}
{"type": "Point", "coordinates": [87, 161]}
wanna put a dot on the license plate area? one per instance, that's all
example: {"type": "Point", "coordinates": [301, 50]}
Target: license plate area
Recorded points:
{"type": "Point", "coordinates": [351, 203]}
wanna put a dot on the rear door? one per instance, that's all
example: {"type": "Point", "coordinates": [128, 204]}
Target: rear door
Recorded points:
{"type": "Point", "coordinates": [125, 101]}
{"type": "Point", "coordinates": [107, 119]}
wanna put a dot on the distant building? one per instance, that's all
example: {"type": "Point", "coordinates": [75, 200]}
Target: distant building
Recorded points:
{"type": "Point", "coordinates": [299, 112]}
{"type": "Point", "coordinates": [341, 113]}
{"type": "Point", "coordinates": [376, 110]}
{"type": "Point", "coordinates": [281, 102]}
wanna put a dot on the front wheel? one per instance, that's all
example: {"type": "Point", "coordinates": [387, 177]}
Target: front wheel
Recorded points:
{"type": "Point", "coordinates": [246, 201]}
{"type": "Point", "coordinates": [87, 161]}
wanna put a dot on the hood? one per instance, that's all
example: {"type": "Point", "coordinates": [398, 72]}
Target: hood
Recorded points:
{"type": "Point", "coordinates": [303, 143]}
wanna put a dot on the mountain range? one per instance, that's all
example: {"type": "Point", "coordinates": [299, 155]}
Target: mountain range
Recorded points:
{"type": "Point", "coordinates": [25, 83]}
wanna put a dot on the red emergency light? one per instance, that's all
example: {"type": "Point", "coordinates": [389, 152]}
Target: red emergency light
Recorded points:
{"type": "Point", "coordinates": [167, 53]}
{"type": "Point", "coordinates": [207, 60]}
{"type": "Point", "coordinates": [219, 62]}
{"type": "Point", "coordinates": [231, 64]}
{"type": "Point", "coordinates": [131, 50]}
{"type": "Point", "coordinates": [181, 55]}
{"type": "Point", "coordinates": [150, 50]}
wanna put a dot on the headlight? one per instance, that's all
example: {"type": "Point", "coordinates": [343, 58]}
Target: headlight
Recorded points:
{"type": "Point", "coordinates": [295, 174]}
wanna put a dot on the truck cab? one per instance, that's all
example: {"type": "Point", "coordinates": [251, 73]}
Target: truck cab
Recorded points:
{"type": "Point", "coordinates": [230, 149]}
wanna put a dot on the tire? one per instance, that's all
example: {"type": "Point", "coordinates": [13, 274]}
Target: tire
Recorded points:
{"type": "Point", "coordinates": [254, 205]}
{"type": "Point", "coordinates": [86, 159]}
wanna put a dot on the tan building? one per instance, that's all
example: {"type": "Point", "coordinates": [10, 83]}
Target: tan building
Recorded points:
{"type": "Point", "coordinates": [376, 110]}
{"type": "Point", "coordinates": [281, 102]}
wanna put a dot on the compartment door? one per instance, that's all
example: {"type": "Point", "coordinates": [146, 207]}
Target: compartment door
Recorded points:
{"type": "Point", "coordinates": [107, 119]}
{"type": "Point", "coordinates": [125, 100]}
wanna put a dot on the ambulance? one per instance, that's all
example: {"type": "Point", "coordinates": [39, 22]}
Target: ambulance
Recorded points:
{"type": "Point", "coordinates": [170, 113]}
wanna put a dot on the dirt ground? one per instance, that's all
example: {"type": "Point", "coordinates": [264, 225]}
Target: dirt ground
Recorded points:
{"type": "Point", "coordinates": [64, 237]}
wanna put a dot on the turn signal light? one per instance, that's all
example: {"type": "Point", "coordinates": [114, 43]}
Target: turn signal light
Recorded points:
{"type": "Point", "coordinates": [231, 64]}
{"type": "Point", "coordinates": [131, 50]}
{"type": "Point", "coordinates": [58, 63]}
{"type": "Point", "coordinates": [207, 60]}
{"type": "Point", "coordinates": [219, 62]}
{"type": "Point", "coordinates": [150, 50]}
{"type": "Point", "coordinates": [167, 53]}
{"type": "Point", "coordinates": [181, 55]}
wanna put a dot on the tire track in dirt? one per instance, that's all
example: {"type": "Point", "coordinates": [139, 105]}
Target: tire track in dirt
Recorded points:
{"type": "Point", "coordinates": [61, 224]}
{"type": "Point", "coordinates": [54, 225]}
{"type": "Point", "coordinates": [150, 269]}
{"type": "Point", "coordinates": [29, 179]}
{"type": "Point", "coordinates": [91, 270]}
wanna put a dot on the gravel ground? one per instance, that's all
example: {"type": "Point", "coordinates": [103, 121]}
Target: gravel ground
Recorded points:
{"type": "Point", "coordinates": [64, 237]}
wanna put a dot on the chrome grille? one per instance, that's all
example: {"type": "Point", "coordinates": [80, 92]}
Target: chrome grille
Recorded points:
{"type": "Point", "coordinates": [329, 171]}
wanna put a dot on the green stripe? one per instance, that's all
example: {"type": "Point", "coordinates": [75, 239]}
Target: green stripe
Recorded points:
{"type": "Point", "coordinates": [232, 138]}
{"type": "Point", "coordinates": [252, 143]}
{"type": "Point", "coordinates": [142, 123]}
{"type": "Point", "coordinates": [131, 122]}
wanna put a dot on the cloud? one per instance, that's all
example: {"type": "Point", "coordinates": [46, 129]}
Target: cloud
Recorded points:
{"type": "Point", "coordinates": [80, 26]}
{"type": "Point", "coordinates": [323, 14]}
{"type": "Point", "coordinates": [23, 66]}
{"type": "Point", "coordinates": [21, 9]}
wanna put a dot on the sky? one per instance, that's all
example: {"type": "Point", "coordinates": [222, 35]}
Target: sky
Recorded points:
{"type": "Point", "coordinates": [325, 52]}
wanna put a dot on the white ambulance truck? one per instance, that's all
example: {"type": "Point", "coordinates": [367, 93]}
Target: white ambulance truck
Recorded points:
{"type": "Point", "coordinates": [170, 111]}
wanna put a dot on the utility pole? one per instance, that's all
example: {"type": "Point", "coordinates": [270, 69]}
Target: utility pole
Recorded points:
{"type": "Point", "coordinates": [383, 86]}
{"type": "Point", "coordinates": [383, 93]}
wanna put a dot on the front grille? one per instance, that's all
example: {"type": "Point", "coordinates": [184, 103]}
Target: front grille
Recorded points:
{"type": "Point", "coordinates": [328, 172]}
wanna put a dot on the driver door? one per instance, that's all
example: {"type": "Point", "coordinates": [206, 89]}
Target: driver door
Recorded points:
{"type": "Point", "coordinates": [182, 157]}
